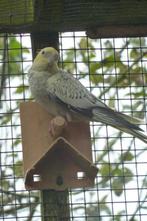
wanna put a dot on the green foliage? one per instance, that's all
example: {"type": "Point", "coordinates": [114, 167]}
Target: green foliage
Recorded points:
{"type": "Point", "coordinates": [114, 69]}
{"type": "Point", "coordinates": [11, 69]}
{"type": "Point", "coordinates": [126, 156]}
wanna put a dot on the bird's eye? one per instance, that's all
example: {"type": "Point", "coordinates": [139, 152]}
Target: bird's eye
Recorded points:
{"type": "Point", "coordinates": [43, 52]}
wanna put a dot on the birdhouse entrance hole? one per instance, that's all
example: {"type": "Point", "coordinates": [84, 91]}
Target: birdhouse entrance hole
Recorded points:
{"type": "Point", "coordinates": [80, 175]}
{"type": "Point", "coordinates": [36, 178]}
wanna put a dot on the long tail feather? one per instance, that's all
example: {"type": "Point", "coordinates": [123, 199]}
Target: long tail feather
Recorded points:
{"type": "Point", "coordinates": [130, 119]}
{"type": "Point", "coordinates": [120, 121]}
{"type": "Point", "coordinates": [135, 133]}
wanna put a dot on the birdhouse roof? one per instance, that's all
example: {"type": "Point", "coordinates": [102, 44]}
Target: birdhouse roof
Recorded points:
{"type": "Point", "coordinates": [59, 167]}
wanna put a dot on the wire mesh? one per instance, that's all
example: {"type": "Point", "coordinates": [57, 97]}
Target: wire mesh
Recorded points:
{"type": "Point", "coordinates": [16, 13]}
{"type": "Point", "coordinates": [115, 71]}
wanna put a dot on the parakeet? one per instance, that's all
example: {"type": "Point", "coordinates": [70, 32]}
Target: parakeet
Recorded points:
{"type": "Point", "coordinates": [63, 95]}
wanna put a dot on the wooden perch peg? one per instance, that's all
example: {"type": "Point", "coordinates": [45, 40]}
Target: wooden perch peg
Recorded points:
{"type": "Point", "coordinates": [56, 126]}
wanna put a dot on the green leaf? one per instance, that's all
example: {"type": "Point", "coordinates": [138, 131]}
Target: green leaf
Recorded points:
{"type": "Point", "coordinates": [84, 43]}
{"type": "Point", "coordinates": [121, 177]}
{"type": "Point", "coordinates": [144, 182]}
{"type": "Point", "coordinates": [106, 169]}
{"type": "Point", "coordinates": [70, 55]}
{"type": "Point", "coordinates": [14, 68]}
{"type": "Point", "coordinates": [94, 66]}
{"type": "Point", "coordinates": [112, 102]}
{"type": "Point", "coordinates": [133, 219]}
{"type": "Point", "coordinates": [96, 78]}
{"type": "Point", "coordinates": [137, 42]}
{"type": "Point", "coordinates": [128, 175]}
{"type": "Point", "coordinates": [126, 156]}
{"type": "Point", "coordinates": [16, 142]}
{"type": "Point", "coordinates": [17, 167]}
{"type": "Point", "coordinates": [134, 54]}
{"type": "Point", "coordinates": [117, 171]}
{"type": "Point", "coordinates": [5, 184]}
{"type": "Point", "coordinates": [138, 94]}
{"type": "Point", "coordinates": [13, 43]}
{"type": "Point", "coordinates": [106, 172]}
{"type": "Point", "coordinates": [21, 88]}
{"type": "Point", "coordinates": [108, 61]}
{"type": "Point", "coordinates": [118, 216]}
{"type": "Point", "coordinates": [103, 205]}
{"type": "Point", "coordinates": [108, 44]}
{"type": "Point", "coordinates": [117, 186]}
{"type": "Point", "coordinates": [6, 118]}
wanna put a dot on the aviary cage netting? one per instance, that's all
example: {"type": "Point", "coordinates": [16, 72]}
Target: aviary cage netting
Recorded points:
{"type": "Point", "coordinates": [114, 70]}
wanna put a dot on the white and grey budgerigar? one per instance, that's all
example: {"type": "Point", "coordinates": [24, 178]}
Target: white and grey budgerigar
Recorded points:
{"type": "Point", "coordinates": [63, 95]}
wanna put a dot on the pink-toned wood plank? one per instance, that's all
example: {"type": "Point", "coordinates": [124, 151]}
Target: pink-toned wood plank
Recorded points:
{"type": "Point", "coordinates": [56, 161]}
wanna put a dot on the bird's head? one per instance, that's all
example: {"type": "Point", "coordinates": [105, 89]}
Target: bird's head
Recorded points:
{"type": "Point", "coordinates": [46, 60]}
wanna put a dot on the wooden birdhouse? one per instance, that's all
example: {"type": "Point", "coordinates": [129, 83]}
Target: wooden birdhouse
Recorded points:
{"type": "Point", "coordinates": [58, 162]}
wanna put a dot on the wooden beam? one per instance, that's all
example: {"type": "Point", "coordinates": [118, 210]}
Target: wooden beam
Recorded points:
{"type": "Point", "coordinates": [113, 18]}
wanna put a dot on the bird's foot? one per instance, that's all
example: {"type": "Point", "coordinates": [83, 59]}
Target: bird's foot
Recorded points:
{"type": "Point", "coordinates": [56, 126]}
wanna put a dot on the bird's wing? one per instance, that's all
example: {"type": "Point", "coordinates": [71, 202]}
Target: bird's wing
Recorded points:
{"type": "Point", "coordinates": [67, 90]}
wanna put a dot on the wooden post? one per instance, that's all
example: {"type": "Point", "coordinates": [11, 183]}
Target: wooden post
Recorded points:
{"type": "Point", "coordinates": [55, 204]}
